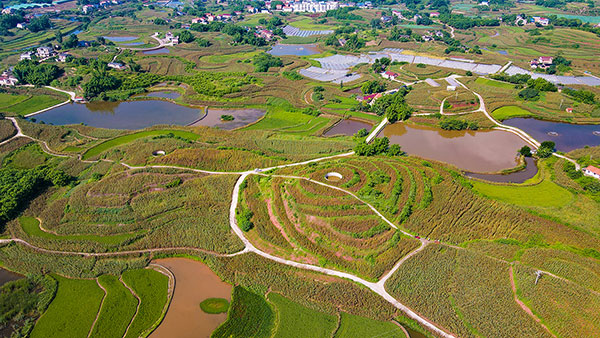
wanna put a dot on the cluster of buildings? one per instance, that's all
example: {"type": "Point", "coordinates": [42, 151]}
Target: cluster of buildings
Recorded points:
{"type": "Point", "coordinates": [86, 9]}
{"type": "Point", "coordinates": [430, 36]}
{"type": "Point", "coordinates": [308, 6]}
{"type": "Point", "coordinates": [208, 18]}
{"type": "Point", "coordinates": [44, 53]}
{"type": "Point", "coordinates": [542, 62]}
{"type": "Point", "coordinates": [536, 20]}
{"type": "Point", "coordinates": [7, 79]}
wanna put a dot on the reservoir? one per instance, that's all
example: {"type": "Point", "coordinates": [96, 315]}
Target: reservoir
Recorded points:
{"type": "Point", "coordinates": [194, 282]}
{"type": "Point", "coordinates": [299, 50]}
{"type": "Point", "coordinates": [121, 115]}
{"type": "Point", "coordinates": [347, 127]}
{"type": "Point", "coordinates": [474, 151]}
{"type": "Point", "coordinates": [567, 136]}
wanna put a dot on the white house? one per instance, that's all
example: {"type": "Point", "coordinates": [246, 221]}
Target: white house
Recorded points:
{"type": "Point", "coordinates": [116, 65]}
{"type": "Point", "coordinates": [389, 75]}
{"type": "Point", "coordinates": [592, 172]}
{"type": "Point", "coordinates": [44, 52]}
{"type": "Point", "coordinates": [62, 57]}
{"type": "Point", "coordinates": [8, 80]}
{"type": "Point", "coordinates": [26, 56]}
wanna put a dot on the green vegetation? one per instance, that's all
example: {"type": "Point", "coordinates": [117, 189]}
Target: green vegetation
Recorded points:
{"type": "Point", "coordinates": [355, 326]}
{"type": "Point", "coordinates": [456, 124]}
{"type": "Point", "coordinates": [32, 104]}
{"type": "Point", "coordinates": [150, 286]}
{"type": "Point", "coordinates": [507, 112]}
{"type": "Point", "coordinates": [118, 308]}
{"type": "Point", "coordinates": [23, 301]}
{"type": "Point", "coordinates": [100, 148]}
{"type": "Point", "coordinates": [72, 311]}
{"type": "Point", "coordinates": [263, 61]}
{"type": "Point", "coordinates": [294, 320]}
{"type": "Point", "coordinates": [249, 316]}
{"type": "Point", "coordinates": [214, 305]}
{"type": "Point", "coordinates": [494, 83]}
{"type": "Point", "coordinates": [31, 226]}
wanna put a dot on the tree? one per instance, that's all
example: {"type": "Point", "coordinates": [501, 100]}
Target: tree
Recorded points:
{"type": "Point", "coordinates": [159, 21]}
{"type": "Point", "coordinates": [374, 86]}
{"type": "Point", "coordinates": [71, 42]}
{"type": "Point", "coordinates": [37, 74]}
{"type": "Point", "coordinates": [39, 24]}
{"type": "Point", "coordinates": [395, 150]}
{"type": "Point", "coordinates": [203, 42]}
{"type": "Point", "coordinates": [186, 36]}
{"type": "Point", "coordinates": [263, 61]}
{"type": "Point", "coordinates": [525, 151]}
{"type": "Point", "coordinates": [529, 94]}
{"type": "Point", "coordinates": [546, 149]}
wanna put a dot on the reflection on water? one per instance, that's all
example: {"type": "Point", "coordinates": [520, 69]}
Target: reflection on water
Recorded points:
{"type": "Point", "coordinates": [162, 94]}
{"type": "Point", "coordinates": [347, 127]}
{"type": "Point", "coordinates": [567, 136]}
{"type": "Point", "coordinates": [194, 282]}
{"type": "Point", "coordinates": [157, 51]}
{"type": "Point", "coordinates": [242, 117]}
{"type": "Point", "coordinates": [299, 50]}
{"type": "Point", "coordinates": [476, 151]}
{"type": "Point", "coordinates": [517, 177]}
{"type": "Point", "coordinates": [120, 38]}
{"type": "Point", "coordinates": [121, 115]}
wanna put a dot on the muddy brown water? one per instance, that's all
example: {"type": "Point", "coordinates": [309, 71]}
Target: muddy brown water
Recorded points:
{"type": "Point", "coordinates": [474, 151]}
{"type": "Point", "coordinates": [194, 282]}
{"type": "Point", "coordinates": [8, 276]}
{"type": "Point", "coordinates": [242, 117]}
{"type": "Point", "coordinates": [516, 177]}
{"type": "Point", "coordinates": [347, 127]}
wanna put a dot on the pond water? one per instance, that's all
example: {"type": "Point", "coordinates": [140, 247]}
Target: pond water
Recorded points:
{"type": "Point", "coordinates": [8, 276]}
{"type": "Point", "coordinates": [121, 115]}
{"type": "Point", "coordinates": [120, 38]}
{"type": "Point", "coordinates": [503, 52]}
{"type": "Point", "coordinates": [157, 51]}
{"type": "Point", "coordinates": [163, 94]}
{"type": "Point", "coordinates": [567, 136]}
{"type": "Point", "coordinates": [413, 333]}
{"type": "Point", "coordinates": [300, 50]}
{"type": "Point", "coordinates": [75, 32]}
{"type": "Point", "coordinates": [242, 117]}
{"type": "Point", "coordinates": [132, 43]}
{"type": "Point", "coordinates": [583, 18]}
{"type": "Point", "coordinates": [517, 177]}
{"type": "Point", "coordinates": [475, 151]}
{"type": "Point", "coordinates": [194, 282]}
{"type": "Point", "coordinates": [347, 127]}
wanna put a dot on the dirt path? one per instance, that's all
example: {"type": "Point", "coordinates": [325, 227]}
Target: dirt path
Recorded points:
{"type": "Point", "coordinates": [137, 308]}
{"type": "Point", "coordinates": [100, 309]}
{"type": "Point", "coordinates": [523, 306]}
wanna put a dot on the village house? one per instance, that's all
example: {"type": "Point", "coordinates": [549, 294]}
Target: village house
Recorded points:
{"type": "Point", "coordinates": [434, 14]}
{"type": "Point", "coordinates": [386, 19]}
{"type": "Point", "coordinates": [116, 65]}
{"type": "Point", "coordinates": [265, 34]}
{"type": "Point", "coordinates": [390, 75]}
{"type": "Point", "coordinates": [7, 79]}
{"type": "Point", "coordinates": [44, 52]}
{"type": "Point", "coordinates": [86, 9]}
{"type": "Point", "coordinates": [368, 98]}
{"type": "Point", "coordinates": [199, 20]}
{"type": "Point", "coordinates": [26, 56]}
{"type": "Point", "coordinates": [542, 62]}
{"type": "Point", "coordinates": [21, 25]}
{"type": "Point", "coordinates": [592, 171]}
{"type": "Point", "coordinates": [540, 20]}
{"type": "Point", "coordinates": [62, 57]}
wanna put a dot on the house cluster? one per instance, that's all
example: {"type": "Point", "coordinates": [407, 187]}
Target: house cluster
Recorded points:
{"type": "Point", "coordinates": [7, 79]}
{"type": "Point", "coordinates": [40, 53]}
{"type": "Point", "coordinates": [430, 36]}
{"type": "Point", "coordinates": [308, 6]}
{"type": "Point", "coordinates": [591, 171]}
{"type": "Point", "coordinates": [264, 33]}
{"type": "Point", "coordinates": [86, 9]}
{"type": "Point", "coordinates": [313, 6]}
{"type": "Point", "coordinates": [116, 65]}
{"type": "Point", "coordinates": [208, 18]}
{"type": "Point", "coordinates": [171, 39]}
{"type": "Point", "coordinates": [542, 62]}
{"type": "Point", "coordinates": [537, 20]}
{"type": "Point", "coordinates": [369, 98]}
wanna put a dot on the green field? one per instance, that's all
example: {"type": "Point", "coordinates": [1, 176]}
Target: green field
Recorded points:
{"type": "Point", "coordinates": [494, 83]}
{"type": "Point", "coordinates": [98, 149]}
{"type": "Point", "coordinates": [72, 311]}
{"type": "Point", "coordinates": [7, 99]}
{"type": "Point", "coordinates": [294, 320]}
{"type": "Point", "coordinates": [31, 226]}
{"type": "Point", "coordinates": [308, 24]}
{"type": "Point", "coordinates": [150, 286]}
{"type": "Point", "coordinates": [117, 310]}
{"type": "Point", "coordinates": [543, 194]}
{"type": "Point", "coordinates": [356, 326]}
{"type": "Point", "coordinates": [32, 104]}
{"type": "Point", "coordinates": [249, 316]}
{"type": "Point", "coordinates": [290, 122]}
{"type": "Point", "coordinates": [507, 112]}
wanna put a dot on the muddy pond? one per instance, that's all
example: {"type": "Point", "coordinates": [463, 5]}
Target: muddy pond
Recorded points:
{"type": "Point", "coordinates": [194, 282]}
{"type": "Point", "coordinates": [241, 117]}
{"type": "Point", "coordinates": [157, 51]}
{"type": "Point", "coordinates": [567, 136]}
{"type": "Point", "coordinates": [8, 276]}
{"type": "Point", "coordinates": [299, 50]}
{"type": "Point", "coordinates": [347, 127]}
{"type": "Point", "coordinates": [516, 177]}
{"type": "Point", "coordinates": [474, 151]}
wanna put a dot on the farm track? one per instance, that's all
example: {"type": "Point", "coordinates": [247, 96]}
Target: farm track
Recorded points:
{"type": "Point", "coordinates": [99, 309]}
{"type": "Point", "coordinates": [137, 308]}
{"type": "Point", "coordinates": [377, 287]}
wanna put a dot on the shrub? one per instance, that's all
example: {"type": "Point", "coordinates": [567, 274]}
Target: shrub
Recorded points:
{"type": "Point", "coordinates": [263, 61]}
{"type": "Point", "coordinates": [529, 94]}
